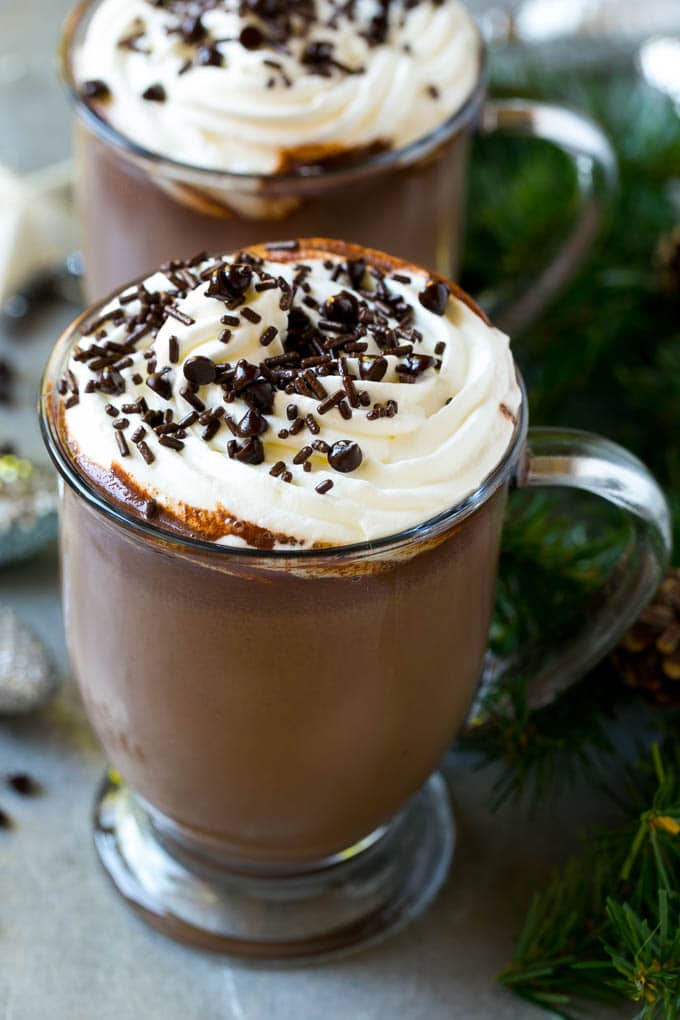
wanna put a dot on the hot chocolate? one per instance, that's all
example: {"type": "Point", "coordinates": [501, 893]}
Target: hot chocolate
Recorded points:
{"type": "Point", "coordinates": [286, 472]}
{"type": "Point", "coordinates": [267, 87]}
{"type": "Point", "coordinates": [290, 402]}
{"type": "Point", "coordinates": [222, 124]}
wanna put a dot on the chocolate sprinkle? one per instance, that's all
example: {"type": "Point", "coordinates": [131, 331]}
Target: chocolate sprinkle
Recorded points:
{"type": "Point", "coordinates": [122, 444]}
{"type": "Point", "coordinates": [268, 335]}
{"type": "Point", "coordinates": [323, 487]}
{"type": "Point", "coordinates": [251, 315]}
{"type": "Point", "coordinates": [146, 453]}
{"type": "Point", "coordinates": [171, 443]}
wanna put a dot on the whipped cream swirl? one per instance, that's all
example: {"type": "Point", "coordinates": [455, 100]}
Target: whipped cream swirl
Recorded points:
{"type": "Point", "coordinates": [314, 395]}
{"type": "Point", "coordinates": [264, 86]}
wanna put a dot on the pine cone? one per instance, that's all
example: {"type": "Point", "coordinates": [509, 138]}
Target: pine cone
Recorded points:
{"type": "Point", "coordinates": [648, 658]}
{"type": "Point", "coordinates": [667, 262]}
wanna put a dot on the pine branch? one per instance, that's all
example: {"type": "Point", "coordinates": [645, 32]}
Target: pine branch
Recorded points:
{"type": "Point", "coordinates": [646, 960]}
{"type": "Point", "coordinates": [544, 752]}
{"type": "Point", "coordinates": [609, 924]}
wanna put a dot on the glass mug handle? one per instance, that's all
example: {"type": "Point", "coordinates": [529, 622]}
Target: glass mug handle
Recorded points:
{"type": "Point", "coordinates": [571, 459]}
{"type": "Point", "coordinates": [596, 167]}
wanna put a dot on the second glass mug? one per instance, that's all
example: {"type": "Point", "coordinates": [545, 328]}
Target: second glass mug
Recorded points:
{"type": "Point", "coordinates": [139, 209]}
{"type": "Point", "coordinates": [276, 719]}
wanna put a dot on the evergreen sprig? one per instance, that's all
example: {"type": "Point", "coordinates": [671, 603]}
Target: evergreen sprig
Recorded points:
{"type": "Point", "coordinates": [609, 925]}
{"type": "Point", "coordinates": [606, 356]}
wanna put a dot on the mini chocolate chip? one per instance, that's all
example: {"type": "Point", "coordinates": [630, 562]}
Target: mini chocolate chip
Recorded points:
{"type": "Point", "coordinates": [200, 371]}
{"type": "Point", "coordinates": [244, 375]}
{"type": "Point", "coordinates": [252, 423]}
{"type": "Point", "coordinates": [251, 452]}
{"type": "Point", "coordinates": [345, 456]}
{"type": "Point", "coordinates": [342, 307]}
{"type": "Point", "coordinates": [435, 297]}
{"type": "Point", "coordinates": [160, 384]}
{"type": "Point", "coordinates": [155, 93]}
{"type": "Point", "coordinates": [230, 284]}
{"type": "Point", "coordinates": [251, 38]}
{"type": "Point", "coordinates": [260, 395]}
{"type": "Point", "coordinates": [374, 370]}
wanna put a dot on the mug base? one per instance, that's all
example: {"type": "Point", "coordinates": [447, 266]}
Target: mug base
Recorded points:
{"type": "Point", "coordinates": [359, 898]}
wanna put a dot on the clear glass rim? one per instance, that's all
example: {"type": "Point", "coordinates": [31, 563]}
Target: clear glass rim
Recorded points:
{"type": "Point", "coordinates": [406, 155]}
{"type": "Point", "coordinates": [86, 489]}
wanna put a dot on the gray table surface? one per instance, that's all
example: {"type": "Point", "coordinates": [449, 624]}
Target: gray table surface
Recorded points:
{"type": "Point", "coordinates": [69, 949]}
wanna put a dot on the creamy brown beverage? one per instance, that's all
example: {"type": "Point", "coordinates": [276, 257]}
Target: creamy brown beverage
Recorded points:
{"type": "Point", "coordinates": [220, 124]}
{"type": "Point", "coordinates": [273, 651]}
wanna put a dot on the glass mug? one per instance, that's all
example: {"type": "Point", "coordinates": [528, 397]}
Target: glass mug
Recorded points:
{"type": "Point", "coordinates": [275, 719]}
{"type": "Point", "coordinates": [139, 208]}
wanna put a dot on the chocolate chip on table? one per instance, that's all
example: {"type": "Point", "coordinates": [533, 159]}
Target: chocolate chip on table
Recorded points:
{"type": "Point", "coordinates": [345, 456]}
{"type": "Point", "coordinates": [435, 297]}
{"type": "Point", "coordinates": [23, 784]}
{"type": "Point", "coordinates": [7, 378]}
